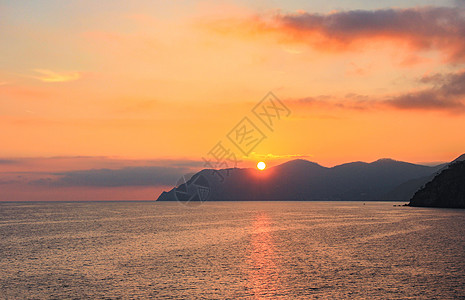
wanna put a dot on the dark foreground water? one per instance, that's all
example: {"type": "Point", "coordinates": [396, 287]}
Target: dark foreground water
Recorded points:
{"type": "Point", "coordinates": [230, 250]}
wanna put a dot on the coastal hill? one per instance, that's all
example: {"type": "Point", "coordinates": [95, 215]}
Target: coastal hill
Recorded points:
{"type": "Point", "coordinates": [384, 179]}
{"type": "Point", "coordinates": [447, 189]}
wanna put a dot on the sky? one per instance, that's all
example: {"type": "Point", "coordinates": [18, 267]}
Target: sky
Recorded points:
{"type": "Point", "coordinates": [115, 100]}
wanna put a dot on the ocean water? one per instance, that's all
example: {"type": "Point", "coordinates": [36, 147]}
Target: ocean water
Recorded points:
{"type": "Point", "coordinates": [235, 250]}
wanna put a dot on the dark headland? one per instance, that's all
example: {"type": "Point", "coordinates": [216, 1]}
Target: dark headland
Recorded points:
{"type": "Point", "coordinates": [446, 190]}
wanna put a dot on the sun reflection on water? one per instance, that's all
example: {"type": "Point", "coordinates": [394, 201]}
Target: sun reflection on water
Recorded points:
{"type": "Point", "coordinates": [264, 268]}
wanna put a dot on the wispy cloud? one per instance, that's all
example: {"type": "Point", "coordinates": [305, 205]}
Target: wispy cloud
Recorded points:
{"type": "Point", "coordinates": [52, 76]}
{"type": "Point", "coordinates": [254, 155]}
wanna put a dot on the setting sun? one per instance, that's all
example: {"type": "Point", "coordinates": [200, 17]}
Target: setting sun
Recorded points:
{"type": "Point", "coordinates": [156, 121]}
{"type": "Point", "coordinates": [261, 165]}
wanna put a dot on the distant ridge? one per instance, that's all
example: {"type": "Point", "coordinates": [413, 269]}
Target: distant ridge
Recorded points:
{"type": "Point", "coordinates": [383, 179]}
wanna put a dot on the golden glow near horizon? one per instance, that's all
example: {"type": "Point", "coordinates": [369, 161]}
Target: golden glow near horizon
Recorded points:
{"type": "Point", "coordinates": [109, 80]}
{"type": "Point", "coordinates": [261, 165]}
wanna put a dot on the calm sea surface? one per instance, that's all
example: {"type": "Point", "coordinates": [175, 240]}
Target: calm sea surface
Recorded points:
{"type": "Point", "coordinates": [230, 250]}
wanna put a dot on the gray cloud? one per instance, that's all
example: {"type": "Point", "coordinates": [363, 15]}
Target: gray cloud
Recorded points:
{"type": "Point", "coordinates": [129, 176]}
{"type": "Point", "coordinates": [179, 163]}
{"type": "Point", "coordinates": [7, 182]}
{"type": "Point", "coordinates": [427, 100]}
{"type": "Point", "coordinates": [7, 161]}
{"type": "Point", "coordinates": [424, 28]}
{"type": "Point", "coordinates": [446, 93]}
{"type": "Point", "coordinates": [427, 21]}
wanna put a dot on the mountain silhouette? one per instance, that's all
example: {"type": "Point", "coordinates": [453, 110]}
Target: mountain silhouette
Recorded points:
{"type": "Point", "coordinates": [384, 179]}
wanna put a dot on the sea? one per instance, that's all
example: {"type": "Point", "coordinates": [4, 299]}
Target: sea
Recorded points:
{"type": "Point", "coordinates": [230, 250]}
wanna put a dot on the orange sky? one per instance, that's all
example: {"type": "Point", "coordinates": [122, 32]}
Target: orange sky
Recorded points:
{"type": "Point", "coordinates": [117, 85]}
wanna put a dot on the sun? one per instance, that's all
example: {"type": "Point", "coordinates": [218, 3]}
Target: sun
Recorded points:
{"type": "Point", "coordinates": [261, 166]}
